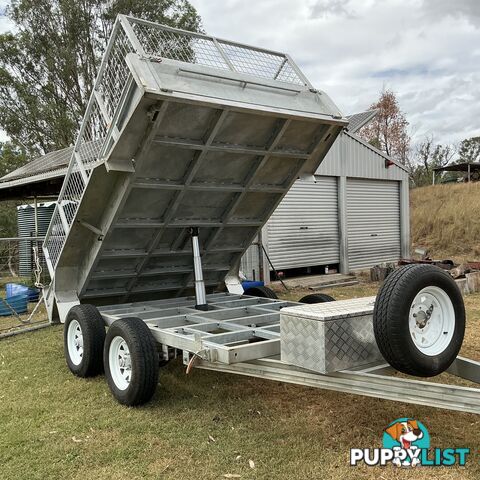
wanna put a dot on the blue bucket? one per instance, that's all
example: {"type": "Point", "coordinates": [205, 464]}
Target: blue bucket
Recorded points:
{"type": "Point", "coordinates": [14, 289]}
{"type": "Point", "coordinates": [250, 284]}
{"type": "Point", "coordinates": [17, 302]}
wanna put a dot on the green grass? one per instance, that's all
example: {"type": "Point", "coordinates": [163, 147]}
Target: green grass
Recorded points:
{"type": "Point", "coordinates": [56, 426]}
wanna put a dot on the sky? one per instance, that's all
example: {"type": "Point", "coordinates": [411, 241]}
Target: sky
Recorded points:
{"type": "Point", "coordinates": [426, 51]}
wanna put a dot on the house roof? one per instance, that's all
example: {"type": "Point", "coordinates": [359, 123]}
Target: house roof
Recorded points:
{"type": "Point", "coordinates": [51, 162]}
{"type": "Point", "coordinates": [359, 120]}
{"type": "Point", "coordinates": [41, 177]}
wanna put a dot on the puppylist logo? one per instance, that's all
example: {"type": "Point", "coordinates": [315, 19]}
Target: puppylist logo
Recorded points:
{"type": "Point", "coordinates": [406, 443]}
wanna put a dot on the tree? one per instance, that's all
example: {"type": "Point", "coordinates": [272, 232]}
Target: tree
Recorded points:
{"type": "Point", "coordinates": [469, 150]}
{"type": "Point", "coordinates": [388, 130]}
{"type": "Point", "coordinates": [428, 156]}
{"type": "Point", "coordinates": [11, 158]}
{"type": "Point", "coordinates": [48, 64]}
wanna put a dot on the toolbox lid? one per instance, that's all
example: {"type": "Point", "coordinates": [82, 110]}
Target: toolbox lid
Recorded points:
{"type": "Point", "coordinates": [324, 312]}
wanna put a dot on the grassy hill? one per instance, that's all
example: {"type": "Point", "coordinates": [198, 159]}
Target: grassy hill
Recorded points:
{"type": "Point", "coordinates": [446, 220]}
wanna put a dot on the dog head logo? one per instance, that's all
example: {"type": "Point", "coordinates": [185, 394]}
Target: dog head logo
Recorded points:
{"type": "Point", "coordinates": [406, 437]}
{"type": "Point", "coordinates": [405, 433]}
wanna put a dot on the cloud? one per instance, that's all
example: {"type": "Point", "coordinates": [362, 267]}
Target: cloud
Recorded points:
{"type": "Point", "coordinates": [3, 7]}
{"type": "Point", "coordinates": [468, 10]}
{"type": "Point", "coordinates": [427, 51]}
{"type": "Point", "coordinates": [325, 8]}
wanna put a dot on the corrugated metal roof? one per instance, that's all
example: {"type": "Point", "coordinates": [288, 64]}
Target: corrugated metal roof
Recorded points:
{"type": "Point", "coordinates": [56, 161]}
{"type": "Point", "coordinates": [359, 120]}
{"type": "Point", "coordinates": [459, 167]}
{"type": "Point", "coordinates": [51, 165]}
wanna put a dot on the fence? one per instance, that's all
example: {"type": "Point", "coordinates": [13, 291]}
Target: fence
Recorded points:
{"type": "Point", "coordinates": [17, 263]}
{"type": "Point", "coordinates": [17, 259]}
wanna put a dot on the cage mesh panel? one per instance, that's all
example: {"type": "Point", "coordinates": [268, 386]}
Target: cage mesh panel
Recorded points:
{"type": "Point", "coordinates": [73, 194]}
{"type": "Point", "coordinates": [203, 51]}
{"type": "Point", "coordinates": [56, 239]}
{"type": "Point", "coordinates": [94, 133]}
{"type": "Point", "coordinates": [116, 73]}
{"type": "Point", "coordinates": [93, 136]}
{"type": "Point", "coordinates": [261, 64]}
{"type": "Point", "coordinates": [88, 148]}
{"type": "Point", "coordinates": [178, 46]}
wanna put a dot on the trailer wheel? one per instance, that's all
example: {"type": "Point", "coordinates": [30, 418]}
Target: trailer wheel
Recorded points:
{"type": "Point", "coordinates": [83, 339]}
{"type": "Point", "coordinates": [419, 320]}
{"type": "Point", "coordinates": [262, 292]}
{"type": "Point", "coordinates": [316, 298]}
{"type": "Point", "coordinates": [131, 361]}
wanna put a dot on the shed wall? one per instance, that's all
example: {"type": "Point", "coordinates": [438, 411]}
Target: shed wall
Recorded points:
{"type": "Point", "coordinates": [351, 157]}
{"type": "Point", "coordinates": [354, 192]}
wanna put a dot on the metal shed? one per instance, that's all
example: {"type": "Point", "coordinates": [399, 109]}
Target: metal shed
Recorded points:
{"type": "Point", "coordinates": [353, 213]}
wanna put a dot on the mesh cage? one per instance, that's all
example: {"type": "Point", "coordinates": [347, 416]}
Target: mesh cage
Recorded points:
{"type": "Point", "coordinates": [92, 140]}
{"type": "Point", "coordinates": [116, 73]}
{"type": "Point", "coordinates": [158, 41]}
{"type": "Point", "coordinates": [56, 238]}
{"type": "Point", "coordinates": [92, 136]}
{"type": "Point", "coordinates": [72, 196]}
{"type": "Point", "coordinates": [131, 35]}
{"type": "Point", "coordinates": [178, 46]}
{"type": "Point", "coordinates": [261, 64]}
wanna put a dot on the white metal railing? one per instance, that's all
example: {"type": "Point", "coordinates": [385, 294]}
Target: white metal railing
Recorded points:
{"type": "Point", "coordinates": [150, 40]}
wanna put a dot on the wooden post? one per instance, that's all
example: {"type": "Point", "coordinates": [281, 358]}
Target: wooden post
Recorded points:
{"type": "Point", "coordinates": [36, 215]}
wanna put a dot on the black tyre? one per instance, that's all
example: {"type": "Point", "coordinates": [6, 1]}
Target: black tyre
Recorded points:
{"type": "Point", "coordinates": [262, 292]}
{"type": "Point", "coordinates": [131, 361]}
{"type": "Point", "coordinates": [316, 298]}
{"type": "Point", "coordinates": [83, 339]}
{"type": "Point", "coordinates": [419, 320]}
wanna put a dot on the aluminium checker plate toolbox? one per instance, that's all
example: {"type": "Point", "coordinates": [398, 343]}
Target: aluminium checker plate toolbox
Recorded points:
{"type": "Point", "coordinates": [328, 337]}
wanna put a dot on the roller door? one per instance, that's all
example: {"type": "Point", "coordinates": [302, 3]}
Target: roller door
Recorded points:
{"type": "Point", "coordinates": [303, 231]}
{"type": "Point", "coordinates": [373, 222]}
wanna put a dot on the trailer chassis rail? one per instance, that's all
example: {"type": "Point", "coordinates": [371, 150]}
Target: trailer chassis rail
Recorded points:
{"type": "Point", "coordinates": [378, 380]}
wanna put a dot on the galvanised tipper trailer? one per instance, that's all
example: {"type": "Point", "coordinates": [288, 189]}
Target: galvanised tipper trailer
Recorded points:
{"type": "Point", "coordinates": [188, 144]}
